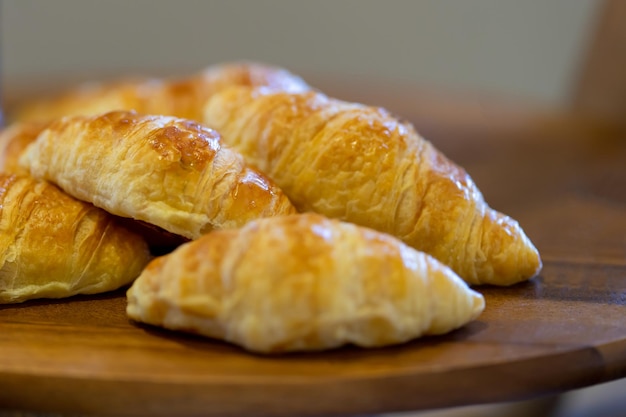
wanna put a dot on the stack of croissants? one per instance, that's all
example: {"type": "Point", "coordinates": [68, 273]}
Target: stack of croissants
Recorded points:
{"type": "Point", "coordinates": [242, 204]}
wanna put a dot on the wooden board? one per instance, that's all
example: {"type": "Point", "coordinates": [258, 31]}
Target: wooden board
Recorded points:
{"type": "Point", "coordinates": [563, 179]}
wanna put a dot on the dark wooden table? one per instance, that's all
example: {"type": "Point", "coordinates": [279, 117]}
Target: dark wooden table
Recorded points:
{"type": "Point", "coordinates": [561, 175]}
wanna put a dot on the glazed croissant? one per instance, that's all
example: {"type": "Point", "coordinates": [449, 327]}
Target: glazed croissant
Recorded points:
{"type": "Point", "coordinates": [359, 164]}
{"type": "Point", "coordinates": [180, 97]}
{"type": "Point", "coordinates": [165, 171]}
{"type": "Point", "coordinates": [53, 246]}
{"type": "Point", "coordinates": [302, 282]}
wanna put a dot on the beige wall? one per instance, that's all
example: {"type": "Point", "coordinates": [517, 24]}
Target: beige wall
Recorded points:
{"type": "Point", "coordinates": [521, 47]}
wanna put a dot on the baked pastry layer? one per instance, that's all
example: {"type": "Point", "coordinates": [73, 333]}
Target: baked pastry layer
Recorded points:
{"type": "Point", "coordinates": [181, 97]}
{"type": "Point", "coordinates": [169, 172]}
{"type": "Point", "coordinates": [362, 165]}
{"type": "Point", "coordinates": [13, 141]}
{"type": "Point", "coordinates": [54, 246]}
{"type": "Point", "coordinates": [302, 282]}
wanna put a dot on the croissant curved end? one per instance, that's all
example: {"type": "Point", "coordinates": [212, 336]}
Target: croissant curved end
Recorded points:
{"type": "Point", "coordinates": [514, 258]}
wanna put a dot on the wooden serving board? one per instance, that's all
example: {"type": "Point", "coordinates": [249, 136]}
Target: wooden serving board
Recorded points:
{"type": "Point", "coordinates": [564, 180]}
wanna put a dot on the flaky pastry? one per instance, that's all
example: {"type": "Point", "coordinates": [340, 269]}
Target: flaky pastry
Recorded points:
{"type": "Point", "coordinates": [302, 282]}
{"type": "Point", "coordinates": [168, 172]}
{"type": "Point", "coordinates": [181, 97]}
{"type": "Point", "coordinates": [13, 141]}
{"type": "Point", "coordinates": [362, 165]}
{"type": "Point", "coordinates": [53, 246]}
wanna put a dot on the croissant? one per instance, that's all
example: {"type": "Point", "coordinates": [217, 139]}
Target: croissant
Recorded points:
{"type": "Point", "coordinates": [180, 97]}
{"type": "Point", "coordinates": [359, 164]}
{"type": "Point", "coordinates": [165, 171]}
{"type": "Point", "coordinates": [53, 246]}
{"type": "Point", "coordinates": [302, 282]}
{"type": "Point", "coordinates": [13, 140]}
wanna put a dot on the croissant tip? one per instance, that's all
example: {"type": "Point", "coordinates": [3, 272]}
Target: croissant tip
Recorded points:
{"type": "Point", "coordinates": [530, 259]}
{"type": "Point", "coordinates": [478, 304]}
{"type": "Point", "coordinates": [510, 257]}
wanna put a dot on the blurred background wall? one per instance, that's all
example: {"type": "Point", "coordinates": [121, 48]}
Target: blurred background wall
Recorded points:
{"type": "Point", "coordinates": [525, 48]}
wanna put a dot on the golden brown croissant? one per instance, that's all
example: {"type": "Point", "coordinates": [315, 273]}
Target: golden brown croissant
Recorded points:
{"type": "Point", "coordinates": [302, 282]}
{"type": "Point", "coordinates": [169, 172]}
{"type": "Point", "coordinates": [53, 246]}
{"type": "Point", "coordinates": [13, 141]}
{"type": "Point", "coordinates": [360, 164]}
{"type": "Point", "coordinates": [181, 97]}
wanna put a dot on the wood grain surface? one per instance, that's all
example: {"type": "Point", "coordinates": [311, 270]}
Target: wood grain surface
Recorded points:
{"type": "Point", "coordinates": [562, 176]}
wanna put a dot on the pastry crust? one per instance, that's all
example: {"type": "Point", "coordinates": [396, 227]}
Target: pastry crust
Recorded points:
{"type": "Point", "coordinates": [13, 141]}
{"type": "Point", "coordinates": [53, 246]}
{"type": "Point", "coordinates": [181, 97]}
{"type": "Point", "coordinates": [169, 172]}
{"type": "Point", "coordinates": [302, 282]}
{"type": "Point", "coordinates": [359, 164]}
